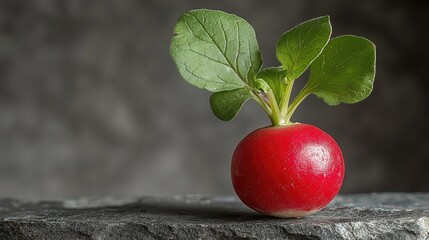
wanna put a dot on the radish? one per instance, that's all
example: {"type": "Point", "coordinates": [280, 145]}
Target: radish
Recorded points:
{"type": "Point", "coordinates": [286, 169]}
{"type": "Point", "coordinates": [289, 171]}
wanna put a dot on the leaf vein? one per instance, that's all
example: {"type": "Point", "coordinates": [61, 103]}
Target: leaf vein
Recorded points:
{"type": "Point", "coordinates": [218, 47]}
{"type": "Point", "coordinates": [210, 58]}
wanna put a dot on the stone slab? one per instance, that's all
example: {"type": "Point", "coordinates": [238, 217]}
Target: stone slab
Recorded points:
{"type": "Point", "coordinates": [361, 216]}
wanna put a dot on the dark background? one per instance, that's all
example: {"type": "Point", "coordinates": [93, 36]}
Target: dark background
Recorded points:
{"type": "Point", "coordinates": [92, 104]}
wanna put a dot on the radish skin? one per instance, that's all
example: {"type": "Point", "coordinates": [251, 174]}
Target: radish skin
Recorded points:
{"type": "Point", "coordinates": [287, 171]}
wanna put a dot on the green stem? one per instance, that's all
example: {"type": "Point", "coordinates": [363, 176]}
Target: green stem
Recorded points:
{"type": "Point", "coordinates": [284, 103]}
{"type": "Point", "coordinates": [298, 99]}
{"type": "Point", "coordinates": [276, 117]}
{"type": "Point", "coordinates": [261, 103]}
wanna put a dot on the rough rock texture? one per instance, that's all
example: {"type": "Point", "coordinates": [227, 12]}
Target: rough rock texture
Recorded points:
{"type": "Point", "coordinates": [366, 216]}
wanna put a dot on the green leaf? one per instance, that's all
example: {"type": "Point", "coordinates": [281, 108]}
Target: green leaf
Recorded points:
{"type": "Point", "coordinates": [226, 104]}
{"type": "Point", "coordinates": [215, 50]}
{"type": "Point", "coordinates": [298, 47]}
{"type": "Point", "coordinates": [344, 72]}
{"type": "Point", "coordinates": [274, 76]}
{"type": "Point", "coordinates": [261, 86]}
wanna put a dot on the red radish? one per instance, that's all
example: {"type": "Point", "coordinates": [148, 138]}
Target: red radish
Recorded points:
{"type": "Point", "coordinates": [289, 171]}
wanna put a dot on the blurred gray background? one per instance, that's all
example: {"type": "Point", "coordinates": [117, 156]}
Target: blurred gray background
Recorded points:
{"type": "Point", "coordinates": [91, 102]}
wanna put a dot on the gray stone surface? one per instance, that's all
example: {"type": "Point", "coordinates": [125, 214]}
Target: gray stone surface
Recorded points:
{"type": "Point", "coordinates": [366, 216]}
